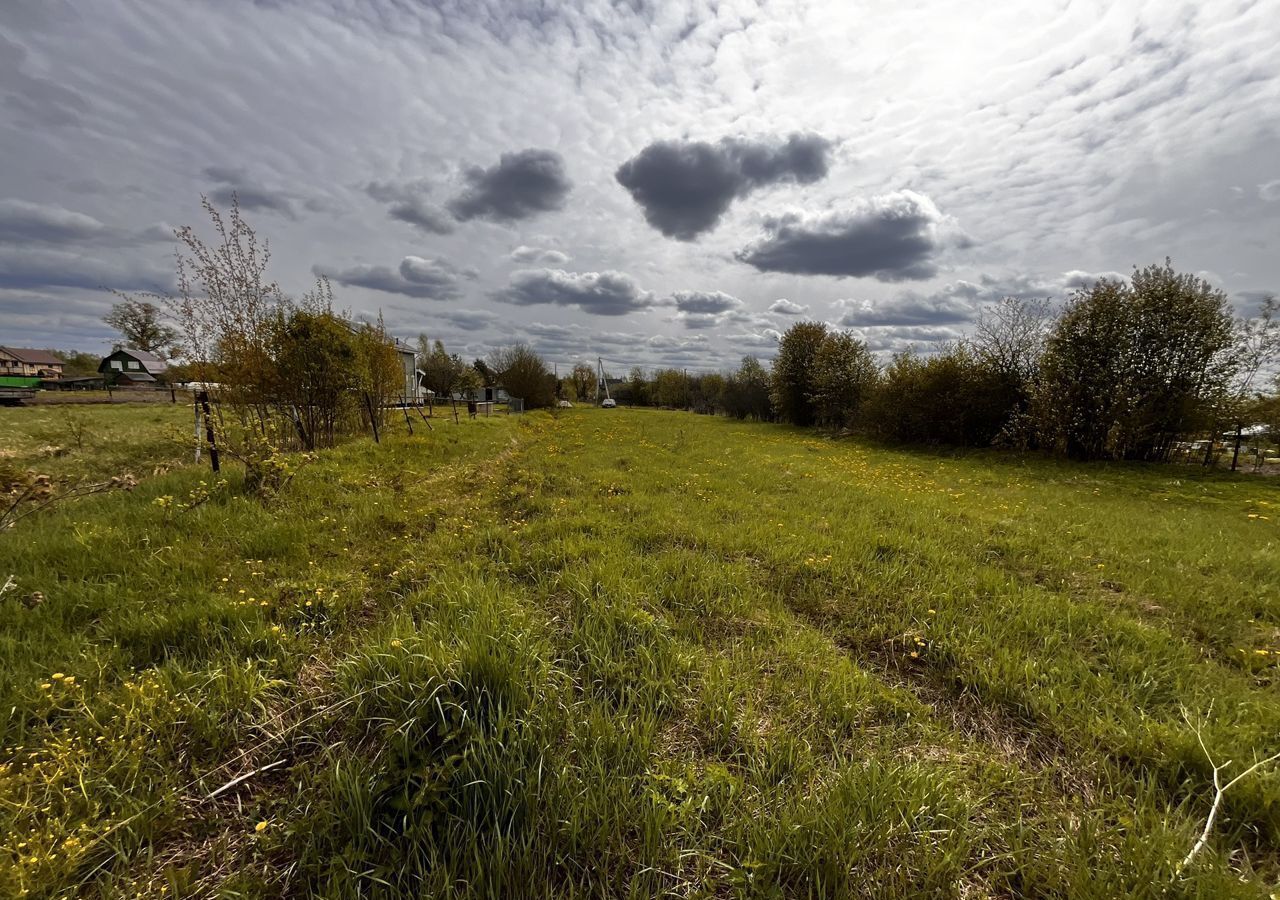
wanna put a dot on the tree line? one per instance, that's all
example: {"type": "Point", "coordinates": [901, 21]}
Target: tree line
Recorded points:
{"type": "Point", "coordinates": [1123, 370]}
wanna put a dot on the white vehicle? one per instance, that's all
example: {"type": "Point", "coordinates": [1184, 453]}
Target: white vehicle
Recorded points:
{"type": "Point", "coordinates": [608, 403]}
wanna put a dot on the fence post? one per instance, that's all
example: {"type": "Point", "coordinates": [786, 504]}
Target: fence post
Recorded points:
{"type": "Point", "coordinates": [203, 397]}
{"type": "Point", "coordinates": [373, 419]}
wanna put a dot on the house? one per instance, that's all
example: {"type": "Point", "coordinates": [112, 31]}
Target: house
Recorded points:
{"type": "Point", "coordinates": [413, 391]}
{"type": "Point", "coordinates": [21, 362]}
{"type": "Point", "coordinates": [127, 366]}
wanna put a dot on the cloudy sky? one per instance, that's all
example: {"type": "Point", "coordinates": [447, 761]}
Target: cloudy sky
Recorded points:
{"type": "Point", "coordinates": [657, 183]}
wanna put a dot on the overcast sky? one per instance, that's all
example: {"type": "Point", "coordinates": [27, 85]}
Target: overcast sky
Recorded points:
{"type": "Point", "coordinates": [657, 183]}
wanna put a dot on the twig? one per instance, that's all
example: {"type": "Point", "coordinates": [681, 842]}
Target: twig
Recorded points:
{"type": "Point", "coordinates": [9, 585]}
{"type": "Point", "coordinates": [1219, 790]}
{"type": "Point", "coordinates": [245, 777]}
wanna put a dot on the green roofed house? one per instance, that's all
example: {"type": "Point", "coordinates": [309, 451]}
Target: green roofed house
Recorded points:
{"type": "Point", "coordinates": [126, 366]}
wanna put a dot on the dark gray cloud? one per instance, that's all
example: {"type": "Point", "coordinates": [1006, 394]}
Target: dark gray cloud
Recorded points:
{"type": "Point", "coordinates": [421, 214]}
{"type": "Point", "coordinates": [252, 195]}
{"type": "Point", "coordinates": [521, 185]}
{"type": "Point", "coordinates": [22, 222]}
{"type": "Point", "coordinates": [408, 202]}
{"type": "Point", "coordinates": [895, 237]}
{"type": "Point", "coordinates": [685, 187]}
{"type": "Point", "coordinates": [601, 293]}
{"type": "Point", "coordinates": [416, 276]}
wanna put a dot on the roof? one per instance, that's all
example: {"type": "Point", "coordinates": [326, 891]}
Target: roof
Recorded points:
{"type": "Point", "coordinates": [150, 361]}
{"type": "Point", "coordinates": [33, 357]}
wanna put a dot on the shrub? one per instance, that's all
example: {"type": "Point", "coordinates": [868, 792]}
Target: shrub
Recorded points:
{"type": "Point", "coordinates": [1129, 369]}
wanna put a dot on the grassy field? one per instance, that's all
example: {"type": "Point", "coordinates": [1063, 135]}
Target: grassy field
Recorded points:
{"type": "Point", "coordinates": [630, 653]}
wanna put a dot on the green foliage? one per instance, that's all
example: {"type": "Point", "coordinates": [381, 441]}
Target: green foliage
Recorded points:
{"type": "Point", "coordinates": [952, 397]}
{"type": "Point", "coordinates": [844, 375]}
{"type": "Point", "coordinates": [316, 370]}
{"type": "Point", "coordinates": [141, 326]}
{"type": "Point", "coordinates": [77, 363]}
{"type": "Point", "coordinates": [443, 372]}
{"type": "Point", "coordinates": [670, 388]}
{"type": "Point", "coordinates": [794, 376]}
{"type": "Point", "coordinates": [746, 392]}
{"type": "Point", "coordinates": [525, 375]}
{"type": "Point", "coordinates": [1129, 369]}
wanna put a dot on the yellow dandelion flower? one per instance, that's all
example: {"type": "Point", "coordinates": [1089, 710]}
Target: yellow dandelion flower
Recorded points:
{"type": "Point", "coordinates": [260, 827]}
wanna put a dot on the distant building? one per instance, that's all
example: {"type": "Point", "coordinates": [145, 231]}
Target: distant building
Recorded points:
{"type": "Point", "coordinates": [21, 362]}
{"type": "Point", "coordinates": [412, 377]}
{"type": "Point", "coordinates": [126, 366]}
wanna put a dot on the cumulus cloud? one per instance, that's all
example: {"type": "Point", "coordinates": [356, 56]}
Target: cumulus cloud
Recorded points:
{"type": "Point", "coordinates": [785, 307]}
{"type": "Point", "coordinates": [684, 187]}
{"type": "Point", "coordinates": [600, 293]}
{"type": "Point", "coordinates": [416, 276]}
{"type": "Point", "coordinates": [713, 302]}
{"type": "Point", "coordinates": [1269, 191]}
{"type": "Point", "coordinates": [22, 222]}
{"type": "Point", "coordinates": [252, 195]}
{"type": "Point", "coordinates": [893, 237]}
{"type": "Point", "coordinates": [521, 185]}
{"type": "Point", "coordinates": [528, 255]}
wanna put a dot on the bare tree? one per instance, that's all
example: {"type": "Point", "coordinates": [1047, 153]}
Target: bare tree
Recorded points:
{"type": "Point", "coordinates": [1010, 335]}
{"type": "Point", "coordinates": [226, 305]}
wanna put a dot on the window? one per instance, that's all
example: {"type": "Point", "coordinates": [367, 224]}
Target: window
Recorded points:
{"type": "Point", "coordinates": [117, 365]}
{"type": "Point", "coordinates": [134, 364]}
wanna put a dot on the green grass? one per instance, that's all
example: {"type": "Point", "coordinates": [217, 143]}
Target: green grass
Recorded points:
{"type": "Point", "coordinates": [629, 653]}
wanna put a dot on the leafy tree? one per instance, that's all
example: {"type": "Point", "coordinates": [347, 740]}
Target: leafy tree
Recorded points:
{"type": "Point", "coordinates": [844, 374]}
{"type": "Point", "coordinates": [638, 385]}
{"type": "Point", "coordinates": [78, 363]}
{"type": "Point", "coordinates": [708, 394]}
{"type": "Point", "coordinates": [746, 391]}
{"type": "Point", "coordinates": [793, 372]}
{"type": "Point", "coordinates": [1127, 370]}
{"type": "Point", "coordinates": [141, 325]}
{"type": "Point", "coordinates": [443, 372]}
{"type": "Point", "coordinates": [582, 381]}
{"type": "Point", "coordinates": [486, 375]}
{"type": "Point", "coordinates": [524, 374]}
{"type": "Point", "coordinates": [670, 388]}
